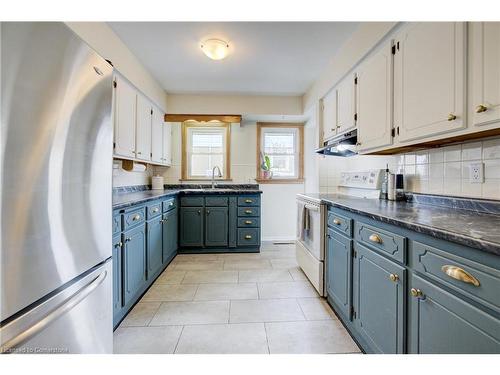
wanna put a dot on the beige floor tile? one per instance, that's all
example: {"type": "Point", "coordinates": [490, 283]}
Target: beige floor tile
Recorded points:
{"type": "Point", "coordinates": [240, 256]}
{"type": "Point", "coordinates": [141, 314]}
{"type": "Point", "coordinates": [327, 336]}
{"type": "Point", "coordinates": [146, 340]}
{"type": "Point", "coordinates": [261, 276]}
{"type": "Point", "coordinates": [243, 338]}
{"type": "Point", "coordinates": [273, 247]}
{"type": "Point", "coordinates": [284, 263]}
{"type": "Point", "coordinates": [291, 289]}
{"type": "Point", "coordinates": [170, 277]}
{"type": "Point", "coordinates": [195, 257]}
{"type": "Point", "coordinates": [297, 274]}
{"type": "Point", "coordinates": [316, 309]}
{"type": "Point", "coordinates": [247, 264]}
{"type": "Point", "coordinates": [198, 277]}
{"type": "Point", "coordinates": [199, 265]}
{"type": "Point", "coordinates": [222, 292]}
{"type": "Point", "coordinates": [199, 312]}
{"type": "Point", "coordinates": [278, 254]}
{"type": "Point", "coordinates": [273, 310]}
{"type": "Point", "coordinates": [170, 292]}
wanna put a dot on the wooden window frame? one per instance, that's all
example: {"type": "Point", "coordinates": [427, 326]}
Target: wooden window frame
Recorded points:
{"type": "Point", "coordinates": [300, 131]}
{"type": "Point", "coordinates": [193, 124]}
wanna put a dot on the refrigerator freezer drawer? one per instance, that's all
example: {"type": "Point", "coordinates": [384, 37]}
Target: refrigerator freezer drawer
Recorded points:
{"type": "Point", "coordinates": [76, 319]}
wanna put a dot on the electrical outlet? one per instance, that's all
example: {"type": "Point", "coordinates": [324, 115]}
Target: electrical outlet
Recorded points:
{"type": "Point", "coordinates": [476, 173]}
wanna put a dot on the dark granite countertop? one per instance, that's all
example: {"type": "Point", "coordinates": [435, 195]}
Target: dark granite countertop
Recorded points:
{"type": "Point", "coordinates": [468, 227]}
{"type": "Point", "coordinates": [123, 199]}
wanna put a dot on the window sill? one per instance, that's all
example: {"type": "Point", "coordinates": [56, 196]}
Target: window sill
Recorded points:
{"type": "Point", "coordinates": [279, 181]}
{"type": "Point", "coordinates": [204, 179]}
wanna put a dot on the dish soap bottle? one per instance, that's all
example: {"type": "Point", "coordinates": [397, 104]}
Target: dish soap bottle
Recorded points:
{"type": "Point", "coordinates": [385, 182]}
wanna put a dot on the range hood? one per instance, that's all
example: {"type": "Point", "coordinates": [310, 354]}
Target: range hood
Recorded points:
{"type": "Point", "coordinates": [340, 145]}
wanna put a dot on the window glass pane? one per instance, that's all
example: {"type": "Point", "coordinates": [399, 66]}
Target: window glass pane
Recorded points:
{"type": "Point", "coordinates": [203, 142]}
{"type": "Point", "coordinates": [279, 143]}
{"type": "Point", "coordinates": [283, 166]}
{"type": "Point", "coordinates": [205, 150]}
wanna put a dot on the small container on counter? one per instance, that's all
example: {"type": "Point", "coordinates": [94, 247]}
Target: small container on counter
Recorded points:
{"type": "Point", "coordinates": [157, 182]}
{"type": "Point", "coordinates": [391, 186]}
{"type": "Point", "coordinates": [400, 187]}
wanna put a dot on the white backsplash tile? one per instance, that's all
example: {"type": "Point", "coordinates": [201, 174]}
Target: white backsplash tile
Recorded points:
{"type": "Point", "coordinates": [453, 170]}
{"type": "Point", "coordinates": [492, 168]}
{"type": "Point", "coordinates": [491, 149]}
{"type": "Point", "coordinates": [452, 153]}
{"type": "Point", "coordinates": [436, 155]}
{"type": "Point", "coordinates": [422, 157]}
{"type": "Point", "coordinates": [472, 151]}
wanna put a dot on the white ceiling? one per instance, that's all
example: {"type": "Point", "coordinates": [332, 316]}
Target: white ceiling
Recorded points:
{"type": "Point", "coordinates": [266, 58]}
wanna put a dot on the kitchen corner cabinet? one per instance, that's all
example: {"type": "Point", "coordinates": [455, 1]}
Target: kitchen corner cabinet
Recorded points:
{"type": "Point", "coordinates": [157, 126]}
{"type": "Point", "coordinates": [167, 141]}
{"type": "Point", "coordinates": [191, 224]}
{"type": "Point", "coordinates": [402, 298]}
{"type": "Point", "coordinates": [485, 71]}
{"type": "Point", "coordinates": [329, 114]}
{"type": "Point", "coordinates": [374, 100]}
{"type": "Point", "coordinates": [429, 79]}
{"type": "Point", "coordinates": [346, 104]}
{"type": "Point", "coordinates": [124, 118]}
{"type": "Point", "coordinates": [143, 129]}
{"type": "Point", "coordinates": [216, 226]}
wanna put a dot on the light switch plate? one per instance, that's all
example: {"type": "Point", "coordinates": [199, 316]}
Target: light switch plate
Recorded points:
{"type": "Point", "coordinates": [476, 173]}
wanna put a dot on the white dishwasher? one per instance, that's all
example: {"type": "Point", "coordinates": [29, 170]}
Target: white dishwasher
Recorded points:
{"type": "Point", "coordinates": [310, 243]}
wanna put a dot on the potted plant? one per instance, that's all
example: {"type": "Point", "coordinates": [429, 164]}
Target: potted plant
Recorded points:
{"type": "Point", "coordinates": [265, 166]}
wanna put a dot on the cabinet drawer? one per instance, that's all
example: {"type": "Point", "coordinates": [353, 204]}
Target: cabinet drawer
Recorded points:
{"type": "Point", "coordinates": [340, 223]}
{"type": "Point", "coordinates": [248, 211]}
{"type": "Point", "coordinates": [117, 223]}
{"type": "Point", "coordinates": [248, 222]}
{"type": "Point", "coordinates": [248, 236]}
{"type": "Point", "coordinates": [475, 280]}
{"type": "Point", "coordinates": [192, 201]}
{"type": "Point", "coordinates": [169, 204]}
{"type": "Point", "coordinates": [251, 200]}
{"type": "Point", "coordinates": [216, 201]}
{"type": "Point", "coordinates": [153, 209]}
{"type": "Point", "coordinates": [134, 217]}
{"type": "Point", "coordinates": [385, 242]}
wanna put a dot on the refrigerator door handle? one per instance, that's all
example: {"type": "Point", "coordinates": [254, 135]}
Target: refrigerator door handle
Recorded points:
{"type": "Point", "coordinates": [54, 314]}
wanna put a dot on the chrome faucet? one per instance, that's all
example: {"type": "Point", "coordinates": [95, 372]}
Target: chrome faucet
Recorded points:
{"type": "Point", "coordinates": [219, 174]}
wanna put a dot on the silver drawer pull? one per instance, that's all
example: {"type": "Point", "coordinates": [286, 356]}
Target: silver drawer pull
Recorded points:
{"type": "Point", "coordinates": [248, 222]}
{"type": "Point", "coordinates": [337, 222]}
{"type": "Point", "coordinates": [248, 211]}
{"type": "Point", "coordinates": [248, 237]}
{"type": "Point", "coordinates": [136, 218]}
{"type": "Point", "coordinates": [460, 274]}
{"type": "Point", "coordinates": [248, 201]}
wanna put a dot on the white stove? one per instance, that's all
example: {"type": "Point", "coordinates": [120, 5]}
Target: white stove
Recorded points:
{"type": "Point", "coordinates": [363, 184]}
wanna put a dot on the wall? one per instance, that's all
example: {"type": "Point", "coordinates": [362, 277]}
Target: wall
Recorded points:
{"type": "Point", "coordinates": [122, 177]}
{"type": "Point", "coordinates": [278, 200]}
{"type": "Point", "coordinates": [437, 171]}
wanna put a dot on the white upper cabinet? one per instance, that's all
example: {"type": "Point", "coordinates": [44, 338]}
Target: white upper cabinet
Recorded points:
{"type": "Point", "coordinates": [485, 72]}
{"type": "Point", "coordinates": [329, 115]}
{"type": "Point", "coordinates": [167, 143]}
{"type": "Point", "coordinates": [429, 79]}
{"type": "Point", "coordinates": [374, 100]}
{"type": "Point", "coordinates": [124, 118]}
{"type": "Point", "coordinates": [346, 104]}
{"type": "Point", "coordinates": [143, 128]}
{"type": "Point", "coordinates": [157, 126]}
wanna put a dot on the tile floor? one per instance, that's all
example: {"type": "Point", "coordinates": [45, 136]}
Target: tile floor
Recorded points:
{"type": "Point", "coordinates": [233, 303]}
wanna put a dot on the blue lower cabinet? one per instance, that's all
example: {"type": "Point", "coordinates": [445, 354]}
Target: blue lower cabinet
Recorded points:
{"type": "Point", "coordinates": [154, 246]}
{"type": "Point", "coordinates": [338, 271]}
{"type": "Point", "coordinates": [134, 263]}
{"type": "Point", "coordinates": [117, 277]}
{"type": "Point", "coordinates": [441, 322]}
{"type": "Point", "coordinates": [191, 226]}
{"type": "Point", "coordinates": [170, 229]}
{"type": "Point", "coordinates": [216, 226]}
{"type": "Point", "coordinates": [378, 301]}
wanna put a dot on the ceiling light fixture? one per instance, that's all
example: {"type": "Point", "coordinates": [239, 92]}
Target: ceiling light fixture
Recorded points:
{"type": "Point", "coordinates": [215, 49]}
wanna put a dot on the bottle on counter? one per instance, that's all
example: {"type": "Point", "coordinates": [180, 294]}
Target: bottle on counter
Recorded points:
{"type": "Point", "coordinates": [385, 182]}
{"type": "Point", "coordinates": [391, 186]}
{"type": "Point", "coordinates": [400, 187]}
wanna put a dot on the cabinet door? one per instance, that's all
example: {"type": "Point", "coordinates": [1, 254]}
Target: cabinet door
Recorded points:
{"type": "Point", "coordinates": [143, 132]}
{"type": "Point", "coordinates": [216, 226]}
{"type": "Point", "coordinates": [117, 274]}
{"type": "Point", "coordinates": [167, 143]}
{"type": "Point", "coordinates": [378, 300]}
{"type": "Point", "coordinates": [338, 271]}
{"type": "Point", "coordinates": [429, 79]}
{"type": "Point", "coordinates": [169, 235]}
{"type": "Point", "coordinates": [374, 100]}
{"type": "Point", "coordinates": [134, 262]}
{"type": "Point", "coordinates": [157, 126]}
{"type": "Point", "coordinates": [125, 113]}
{"type": "Point", "coordinates": [485, 60]}
{"type": "Point", "coordinates": [154, 246]}
{"type": "Point", "coordinates": [346, 104]}
{"type": "Point", "coordinates": [440, 322]}
{"type": "Point", "coordinates": [329, 115]}
{"type": "Point", "coordinates": [191, 227]}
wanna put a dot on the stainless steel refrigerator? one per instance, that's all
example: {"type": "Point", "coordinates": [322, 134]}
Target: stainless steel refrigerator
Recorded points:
{"type": "Point", "coordinates": [56, 170]}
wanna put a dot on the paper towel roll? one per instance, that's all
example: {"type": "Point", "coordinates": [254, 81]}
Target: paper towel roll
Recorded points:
{"type": "Point", "coordinates": [157, 182]}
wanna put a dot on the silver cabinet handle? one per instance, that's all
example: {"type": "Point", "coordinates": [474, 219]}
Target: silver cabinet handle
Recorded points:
{"type": "Point", "coordinates": [136, 217]}
{"type": "Point", "coordinates": [54, 314]}
{"type": "Point", "coordinates": [155, 209]}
